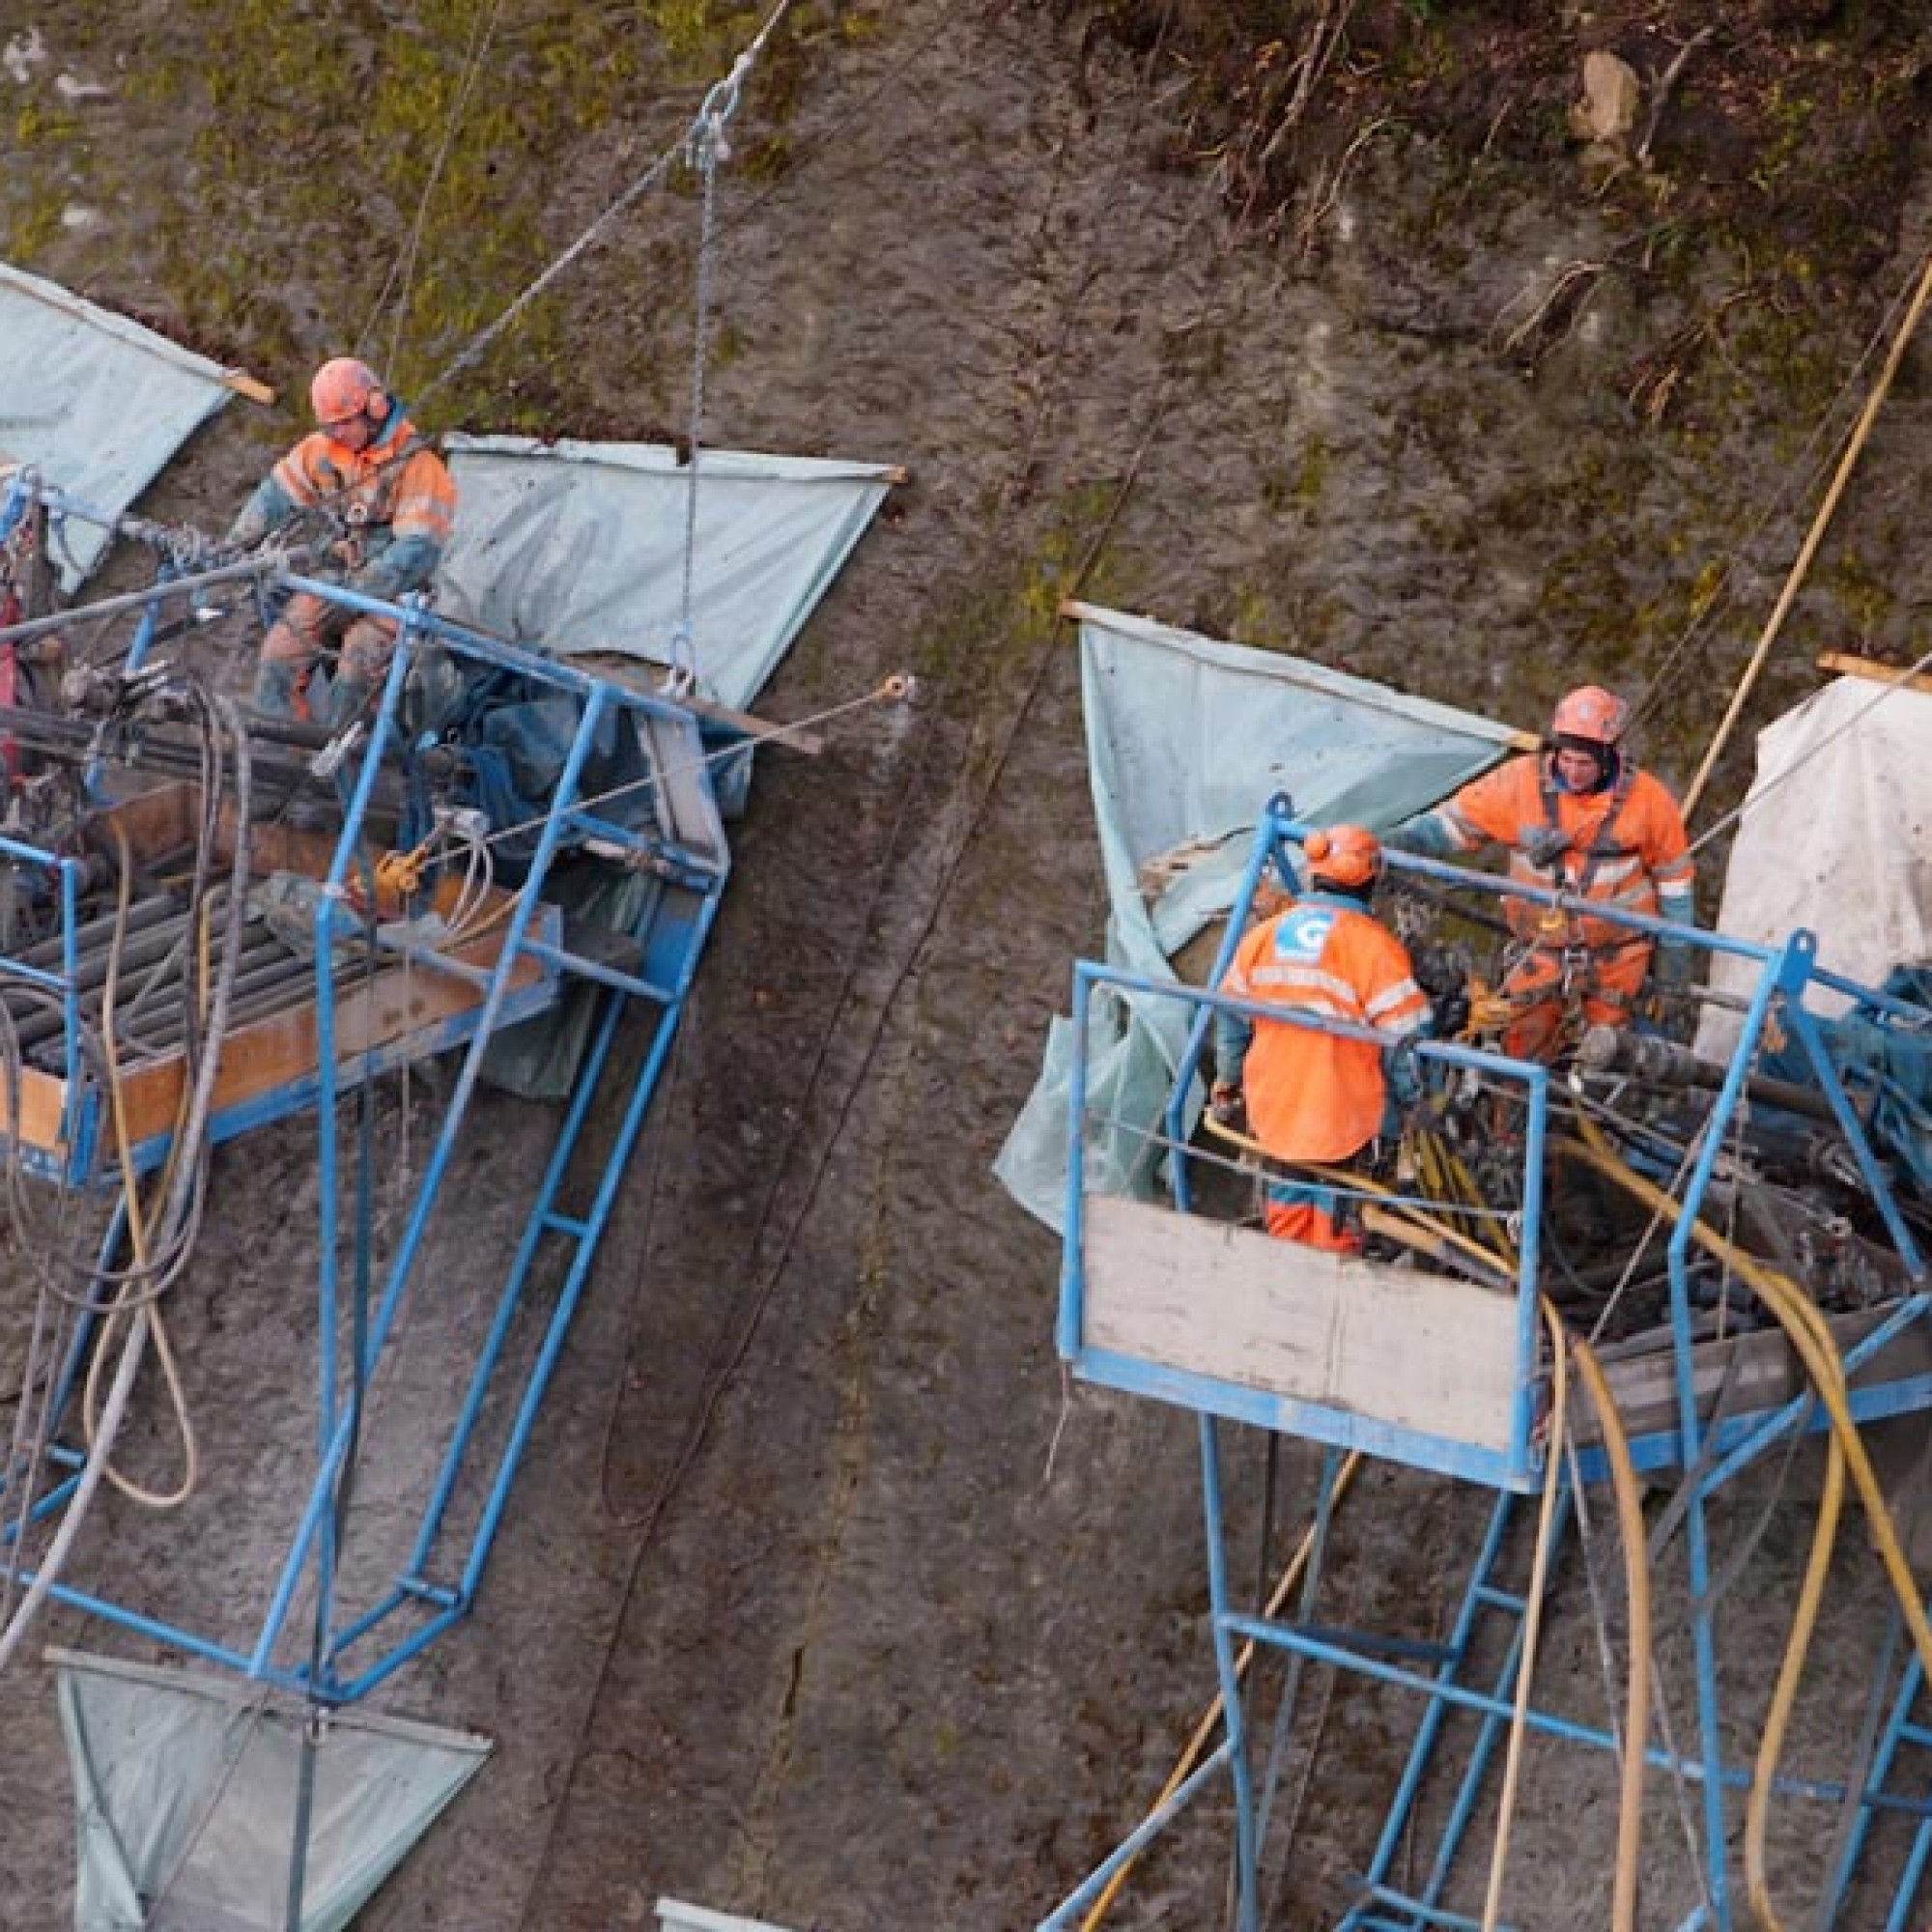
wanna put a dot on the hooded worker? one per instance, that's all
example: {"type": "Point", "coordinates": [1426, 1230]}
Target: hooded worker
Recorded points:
{"type": "Point", "coordinates": [1578, 817]}
{"type": "Point", "coordinates": [1315, 1095]}
{"type": "Point", "coordinates": [368, 471]}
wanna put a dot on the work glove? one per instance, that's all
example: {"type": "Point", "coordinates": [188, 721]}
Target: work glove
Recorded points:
{"type": "Point", "coordinates": [1224, 1102]}
{"type": "Point", "coordinates": [1544, 845]}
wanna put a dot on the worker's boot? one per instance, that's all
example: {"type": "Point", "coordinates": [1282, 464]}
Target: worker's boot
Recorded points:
{"type": "Point", "coordinates": [275, 688]}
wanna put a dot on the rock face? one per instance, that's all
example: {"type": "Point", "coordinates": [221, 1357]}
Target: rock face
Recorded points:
{"type": "Point", "coordinates": [826, 1601]}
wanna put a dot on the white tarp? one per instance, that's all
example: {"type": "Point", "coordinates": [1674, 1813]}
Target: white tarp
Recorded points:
{"type": "Point", "coordinates": [1832, 837]}
{"type": "Point", "coordinates": [581, 546]}
{"type": "Point", "coordinates": [674, 1916]}
{"type": "Point", "coordinates": [185, 1794]}
{"type": "Point", "coordinates": [94, 404]}
{"type": "Point", "coordinates": [1187, 739]}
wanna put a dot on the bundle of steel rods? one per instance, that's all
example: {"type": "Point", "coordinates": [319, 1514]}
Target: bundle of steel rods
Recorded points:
{"type": "Point", "coordinates": [159, 978]}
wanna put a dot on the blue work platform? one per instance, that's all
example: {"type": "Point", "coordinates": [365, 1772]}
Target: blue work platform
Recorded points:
{"type": "Point", "coordinates": [630, 798]}
{"type": "Point", "coordinates": [1441, 1359]}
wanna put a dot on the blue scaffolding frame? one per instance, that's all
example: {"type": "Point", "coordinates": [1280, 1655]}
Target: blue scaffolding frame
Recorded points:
{"type": "Point", "coordinates": [678, 854]}
{"type": "Point", "coordinates": [1713, 1446]}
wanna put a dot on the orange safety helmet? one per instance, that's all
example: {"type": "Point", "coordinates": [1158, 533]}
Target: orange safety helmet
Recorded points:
{"type": "Point", "coordinates": [1349, 856]}
{"type": "Point", "coordinates": [345, 389]}
{"type": "Point", "coordinates": [1596, 716]}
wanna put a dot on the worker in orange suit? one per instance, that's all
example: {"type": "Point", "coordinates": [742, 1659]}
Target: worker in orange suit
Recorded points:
{"type": "Point", "coordinates": [1314, 1096]}
{"type": "Point", "coordinates": [391, 503]}
{"type": "Point", "coordinates": [1578, 817]}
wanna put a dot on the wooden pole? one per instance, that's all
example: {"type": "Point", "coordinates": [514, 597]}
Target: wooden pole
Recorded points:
{"type": "Point", "coordinates": [1819, 524]}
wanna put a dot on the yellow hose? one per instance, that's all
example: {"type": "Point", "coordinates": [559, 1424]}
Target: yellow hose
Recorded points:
{"type": "Point", "coordinates": [1812, 1342]}
{"type": "Point", "coordinates": [1637, 1585]}
{"type": "Point", "coordinates": [1399, 1224]}
{"type": "Point", "coordinates": [1797, 1650]}
{"type": "Point", "coordinates": [1532, 1618]}
{"type": "Point", "coordinates": [1212, 1717]}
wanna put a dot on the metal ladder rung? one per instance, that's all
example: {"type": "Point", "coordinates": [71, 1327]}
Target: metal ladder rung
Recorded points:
{"type": "Point", "coordinates": [1386, 1899]}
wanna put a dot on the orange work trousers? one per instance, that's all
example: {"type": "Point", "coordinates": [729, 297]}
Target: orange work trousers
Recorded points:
{"type": "Point", "coordinates": [1312, 1214]}
{"type": "Point", "coordinates": [1546, 989]}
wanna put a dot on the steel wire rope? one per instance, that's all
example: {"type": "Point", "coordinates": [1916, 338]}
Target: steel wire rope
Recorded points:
{"type": "Point", "coordinates": [718, 1377]}
{"type": "Point", "coordinates": [1795, 478]}
{"type": "Point", "coordinates": [342, 1485]}
{"type": "Point", "coordinates": [1888, 688]}
{"type": "Point", "coordinates": [725, 90]}
{"type": "Point", "coordinates": [402, 276]}
{"type": "Point", "coordinates": [705, 151]}
{"type": "Point", "coordinates": [137, 1233]}
{"type": "Point", "coordinates": [235, 1748]}
{"type": "Point", "coordinates": [1203, 1730]}
{"type": "Point", "coordinates": [892, 690]}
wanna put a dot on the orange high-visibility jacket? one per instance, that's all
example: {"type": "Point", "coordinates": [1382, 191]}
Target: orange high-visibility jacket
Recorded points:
{"type": "Point", "coordinates": [1626, 844]}
{"type": "Point", "coordinates": [397, 492]}
{"type": "Point", "coordinates": [1314, 1096]}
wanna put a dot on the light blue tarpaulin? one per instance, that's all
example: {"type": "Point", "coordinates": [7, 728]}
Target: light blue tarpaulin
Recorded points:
{"type": "Point", "coordinates": [93, 402]}
{"type": "Point", "coordinates": [581, 546]}
{"type": "Point", "coordinates": [185, 1796]}
{"type": "Point", "coordinates": [1186, 741]}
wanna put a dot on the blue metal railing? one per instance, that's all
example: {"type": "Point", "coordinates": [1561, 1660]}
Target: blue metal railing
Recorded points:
{"type": "Point", "coordinates": [685, 865]}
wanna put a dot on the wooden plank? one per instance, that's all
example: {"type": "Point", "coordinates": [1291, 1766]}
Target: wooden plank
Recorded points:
{"type": "Point", "coordinates": [284, 1047]}
{"type": "Point", "coordinates": [50, 295]}
{"type": "Point", "coordinates": [159, 820]}
{"type": "Point", "coordinates": [41, 1099]}
{"type": "Point", "coordinates": [1402, 1346]}
{"type": "Point", "coordinates": [645, 675]}
{"type": "Point", "coordinates": [1845, 665]}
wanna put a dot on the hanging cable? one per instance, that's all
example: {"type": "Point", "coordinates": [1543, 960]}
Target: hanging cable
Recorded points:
{"type": "Point", "coordinates": [1795, 478]}
{"type": "Point", "coordinates": [402, 272]}
{"type": "Point", "coordinates": [1210, 1717]}
{"type": "Point", "coordinates": [1815, 536]}
{"type": "Point", "coordinates": [704, 151]}
{"type": "Point", "coordinates": [899, 689]}
{"type": "Point", "coordinates": [627, 199]}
